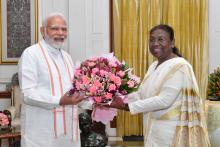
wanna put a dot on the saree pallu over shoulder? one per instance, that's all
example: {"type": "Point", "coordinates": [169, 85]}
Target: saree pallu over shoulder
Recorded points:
{"type": "Point", "coordinates": [191, 130]}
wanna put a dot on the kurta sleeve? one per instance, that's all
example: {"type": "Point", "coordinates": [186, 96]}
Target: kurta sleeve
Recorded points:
{"type": "Point", "coordinates": [168, 94]}
{"type": "Point", "coordinates": [28, 80]}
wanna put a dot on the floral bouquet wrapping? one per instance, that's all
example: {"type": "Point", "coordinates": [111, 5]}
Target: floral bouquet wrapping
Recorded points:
{"type": "Point", "coordinates": [101, 78]}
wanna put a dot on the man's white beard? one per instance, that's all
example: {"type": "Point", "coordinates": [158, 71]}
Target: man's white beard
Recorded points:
{"type": "Point", "coordinates": [51, 42]}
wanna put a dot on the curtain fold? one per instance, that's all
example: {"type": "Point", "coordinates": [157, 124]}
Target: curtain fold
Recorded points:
{"type": "Point", "coordinates": [132, 20]}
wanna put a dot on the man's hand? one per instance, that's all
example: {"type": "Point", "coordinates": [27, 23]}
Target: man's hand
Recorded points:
{"type": "Point", "coordinates": [74, 99]}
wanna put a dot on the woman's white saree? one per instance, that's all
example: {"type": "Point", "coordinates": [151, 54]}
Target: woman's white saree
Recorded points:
{"type": "Point", "coordinates": [183, 123]}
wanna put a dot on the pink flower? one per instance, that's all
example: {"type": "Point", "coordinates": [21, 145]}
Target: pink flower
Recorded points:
{"type": "Point", "coordinates": [118, 81]}
{"type": "Point", "coordinates": [108, 95]}
{"type": "Point", "coordinates": [103, 72]}
{"type": "Point", "coordinates": [97, 83]}
{"type": "Point", "coordinates": [95, 70]}
{"type": "Point", "coordinates": [93, 89]}
{"type": "Point", "coordinates": [91, 64]}
{"type": "Point", "coordinates": [112, 87]}
{"type": "Point", "coordinates": [130, 84]}
{"type": "Point", "coordinates": [85, 80]}
{"type": "Point", "coordinates": [98, 99]}
{"type": "Point", "coordinates": [77, 72]}
{"type": "Point", "coordinates": [133, 77]}
{"type": "Point", "coordinates": [115, 79]}
{"type": "Point", "coordinates": [77, 84]}
{"type": "Point", "coordinates": [121, 74]}
{"type": "Point", "coordinates": [112, 63]}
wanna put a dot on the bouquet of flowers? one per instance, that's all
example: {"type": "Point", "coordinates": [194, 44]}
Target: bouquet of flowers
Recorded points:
{"type": "Point", "coordinates": [101, 78]}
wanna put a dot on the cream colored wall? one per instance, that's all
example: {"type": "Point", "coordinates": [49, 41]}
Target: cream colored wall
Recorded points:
{"type": "Point", "coordinates": [89, 27]}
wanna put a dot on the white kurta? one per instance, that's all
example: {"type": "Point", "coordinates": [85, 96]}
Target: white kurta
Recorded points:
{"type": "Point", "coordinates": [37, 118]}
{"type": "Point", "coordinates": [161, 132]}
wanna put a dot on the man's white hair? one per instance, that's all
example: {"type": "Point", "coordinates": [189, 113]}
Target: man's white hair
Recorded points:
{"type": "Point", "coordinates": [55, 14]}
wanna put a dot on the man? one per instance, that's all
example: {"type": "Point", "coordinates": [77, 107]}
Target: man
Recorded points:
{"type": "Point", "coordinates": [49, 115]}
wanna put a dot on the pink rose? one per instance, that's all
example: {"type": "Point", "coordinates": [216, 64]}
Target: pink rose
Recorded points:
{"type": "Point", "coordinates": [121, 74]}
{"type": "Point", "coordinates": [77, 85]}
{"type": "Point", "coordinates": [118, 81]}
{"type": "Point", "coordinates": [85, 80]}
{"type": "Point", "coordinates": [115, 79]}
{"type": "Point", "coordinates": [103, 73]}
{"type": "Point", "coordinates": [130, 84]}
{"type": "Point", "coordinates": [112, 63]}
{"type": "Point", "coordinates": [95, 70]}
{"type": "Point", "coordinates": [93, 89]}
{"type": "Point", "coordinates": [108, 95]}
{"type": "Point", "coordinates": [91, 64]}
{"type": "Point", "coordinates": [97, 83]}
{"type": "Point", "coordinates": [98, 99]}
{"type": "Point", "coordinates": [112, 87]}
{"type": "Point", "coordinates": [77, 72]}
{"type": "Point", "coordinates": [134, 77]}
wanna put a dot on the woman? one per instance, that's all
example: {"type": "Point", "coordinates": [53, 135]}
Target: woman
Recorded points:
{"type": "Point", "coordinates": [168, 97]}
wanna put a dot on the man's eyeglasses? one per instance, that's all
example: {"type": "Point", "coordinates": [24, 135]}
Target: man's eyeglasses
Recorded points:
{"type": "Point", "coordinates": [57, 28]}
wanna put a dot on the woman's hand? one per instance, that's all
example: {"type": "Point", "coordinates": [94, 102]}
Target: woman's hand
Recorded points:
{"type": "Point", "coordinates": [119, 104]}
{"type": "Point", "coordinates": [73, 99]}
